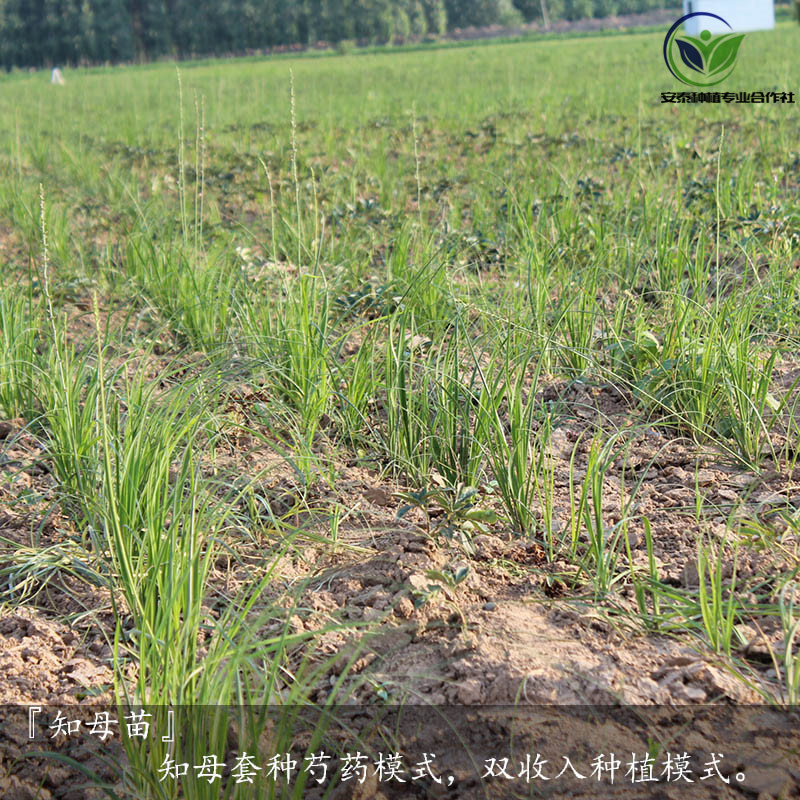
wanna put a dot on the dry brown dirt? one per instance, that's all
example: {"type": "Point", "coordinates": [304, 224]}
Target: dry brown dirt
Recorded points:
{"type": "Point", "coordinates": [516, 629]}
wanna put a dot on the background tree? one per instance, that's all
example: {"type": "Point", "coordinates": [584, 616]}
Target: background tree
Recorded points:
{"type": "Point", "coordinates": [113, 32]}
{"type": "Point", "coordinates": [150, 28]}
{"type": "Point", "coordinates": [86, 31]}
{"type": "Point", "coordinates": [11, 34]}
{"type": "Point", "coordinates": [578, 9]}
{"type": "Point", "coordinates": [41, 32]}
{"type": "Point", "coordinates": [606, 8]}
{"type": "Point", "coordinates": [531, 10]}
{"type": "Point", "coordinates": [480, 13]}
{"type": "Point", "coordinates": [435, 16]}
{"type": "Point", "coordinates": [401, 25]}
{"type": "Point", "coordinates": [417, 20]}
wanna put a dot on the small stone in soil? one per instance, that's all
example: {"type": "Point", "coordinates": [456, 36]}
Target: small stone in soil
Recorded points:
{"type": "Point", "coordinates": [404, 608]}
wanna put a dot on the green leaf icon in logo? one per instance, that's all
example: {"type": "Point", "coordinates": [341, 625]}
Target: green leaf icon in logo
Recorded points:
{"type": "Point", "coordinates": [691, 55]}
{"type": "Point", "coordinates": [709, 59]}
{"type": "Point", "coordinates": [724, 54]}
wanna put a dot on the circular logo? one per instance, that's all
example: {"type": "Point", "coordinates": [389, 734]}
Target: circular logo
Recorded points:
{"type": "Point", "coordinates": [703, 60]}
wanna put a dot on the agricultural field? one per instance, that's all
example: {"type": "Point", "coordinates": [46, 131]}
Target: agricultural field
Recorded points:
{"type": "Point", "coordinates": [464, 375]}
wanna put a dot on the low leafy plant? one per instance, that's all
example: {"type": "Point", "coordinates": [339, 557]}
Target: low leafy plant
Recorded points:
{"type": "Point", "coordinates": [445, 582]}
{"type": "Point", "coordinates": [442, 580]}
{"type": "Point", "coordinates": [448, 577]}
{"type": "Point", "coordinates": [450, 511]}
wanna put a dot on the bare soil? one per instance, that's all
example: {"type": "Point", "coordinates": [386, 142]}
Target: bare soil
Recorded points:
{"type": "Point", "coordinates": [517, 628]}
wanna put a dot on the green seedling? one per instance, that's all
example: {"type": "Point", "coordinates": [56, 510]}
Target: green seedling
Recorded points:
{"type": "Point", "coordinates": [450, 511]}
{"type": "Point", "coordinates": [718, 614]}
{"type": "Point", "coordinates": [444, 582]}
{"type": "Point", "coordinates": [447, 578]}
{"type": "Point", "coordinates": [646, 589]}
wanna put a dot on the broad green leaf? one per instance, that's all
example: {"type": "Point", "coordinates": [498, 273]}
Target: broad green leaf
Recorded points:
{"type": "Point", "coordinates": [724, 54]}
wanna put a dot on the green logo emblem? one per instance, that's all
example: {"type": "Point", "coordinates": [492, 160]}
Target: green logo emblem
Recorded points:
{"type": "Point", "coordinates": [703, 60]}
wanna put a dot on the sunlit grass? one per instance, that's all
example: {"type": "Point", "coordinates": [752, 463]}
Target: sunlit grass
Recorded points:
{"type": "Point", "coordinates": [412, 259]}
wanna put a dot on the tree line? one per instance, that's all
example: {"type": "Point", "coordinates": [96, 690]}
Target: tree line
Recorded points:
{"type": "Point", "coordinates": [44, 32]}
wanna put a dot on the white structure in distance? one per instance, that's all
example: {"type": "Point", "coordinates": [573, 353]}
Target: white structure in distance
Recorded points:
{"type": "Point", "coordinates": [741, 15]}
{"type": "Point", "coordinates": [56, 78]}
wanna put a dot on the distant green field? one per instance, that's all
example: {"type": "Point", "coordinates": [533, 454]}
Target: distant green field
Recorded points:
{"type": "Point", "coordinates": [409, 263]}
